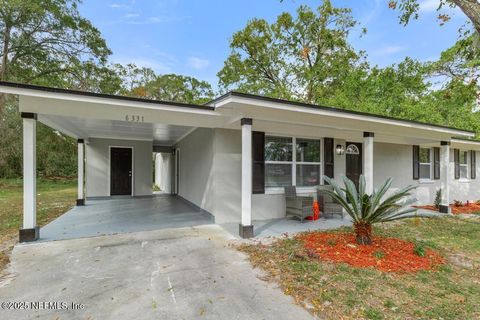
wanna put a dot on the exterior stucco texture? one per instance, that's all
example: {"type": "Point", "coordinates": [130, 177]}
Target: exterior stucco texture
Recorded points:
{"type": "Point", "coordinates": [97, 166]}
{"type": "Point", "coordinates": [210, 175]}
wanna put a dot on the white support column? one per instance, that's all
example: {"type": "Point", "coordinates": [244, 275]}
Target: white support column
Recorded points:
{"type": "Point", "coordinates": [246, 227]}
{"type": "Point", "coordinates": [30, 231]}
{"type": "Point", "coordinates": [368, 161]}
{"type": "Point", "coordinates": [445, 176]}
{"type": "Point", "coordinates": [80, 178]}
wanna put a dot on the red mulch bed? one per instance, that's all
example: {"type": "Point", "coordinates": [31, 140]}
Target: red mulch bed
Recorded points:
{"type": "Point", "coordinates": [466, 208]}
{"type": "Point", "coordinates": [385, 254]}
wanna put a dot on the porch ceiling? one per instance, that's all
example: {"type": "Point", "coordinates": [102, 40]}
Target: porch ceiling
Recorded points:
{"type": "Point", "coordinates": [160, 134]}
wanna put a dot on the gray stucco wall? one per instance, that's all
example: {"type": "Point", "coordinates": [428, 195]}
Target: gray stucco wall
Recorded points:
{"type": "Point", "coordinates": [228, 175]}
{"type": "Point", "coordinates": [97, 166]}
{"type": "Point", "coordinates": [394, 160]}
{"type": "Point", "coordinates": [464, 190]}
{"type": "Point", "coordinates": [211, 163]}
{"type": "Point", "coordinates": [228, 182]}
{"type": "Point", "coordinates": [196, 168]}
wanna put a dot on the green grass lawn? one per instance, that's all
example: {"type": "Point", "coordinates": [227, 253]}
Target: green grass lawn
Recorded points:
{"type": "Point", "coordinates": [53, 199]}
{"type": "Point", "coordinates": [338, 291]}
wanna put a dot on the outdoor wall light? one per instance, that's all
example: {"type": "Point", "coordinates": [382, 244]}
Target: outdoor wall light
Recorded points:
{"type": "Point", "coordinates": [339, 150]}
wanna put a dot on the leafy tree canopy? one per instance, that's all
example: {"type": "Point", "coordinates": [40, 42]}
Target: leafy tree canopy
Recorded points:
{"type": "Point", "coordinates": [44, 40]}
{"type": "Point", "coordinates": [305, 57]}
{"type": "Point", "coordinates": [144, 83]}
{"type": "Point", "coordinates": [409, 9]}
{"type": "Point", "coordinates": [308, 58]}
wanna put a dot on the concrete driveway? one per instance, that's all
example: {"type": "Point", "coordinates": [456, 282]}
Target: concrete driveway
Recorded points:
{"type": "Point", "coordinates": [185, 273]}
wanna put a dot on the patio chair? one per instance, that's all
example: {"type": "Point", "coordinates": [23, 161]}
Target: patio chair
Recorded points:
{"type": "Point", "coordinates": [328, 205]}
{"type": "Point", "coordinates": [297, 206]}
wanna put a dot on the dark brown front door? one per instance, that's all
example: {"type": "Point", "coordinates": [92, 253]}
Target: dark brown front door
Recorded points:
{"type": "Point", "coordinates": [353, 153]}
{"type": "Point", "coordinates": [120, 171]}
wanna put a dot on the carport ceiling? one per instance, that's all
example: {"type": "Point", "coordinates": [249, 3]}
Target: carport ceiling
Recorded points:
{"type": "Point", "coordinates": [160, 134]}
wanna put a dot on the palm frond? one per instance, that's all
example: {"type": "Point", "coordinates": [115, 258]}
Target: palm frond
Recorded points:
{"type": "Point", "coordinates": [375, 207]}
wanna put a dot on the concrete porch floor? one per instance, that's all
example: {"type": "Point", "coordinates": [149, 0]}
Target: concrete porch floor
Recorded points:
{"type": "Point", "coordinates": [277, 227]}
{"type": "Point", "coordinates": [112, 216]}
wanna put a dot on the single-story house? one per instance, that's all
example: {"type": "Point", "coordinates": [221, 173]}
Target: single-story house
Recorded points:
{"type": "Point", "coordinates": [233, 156]}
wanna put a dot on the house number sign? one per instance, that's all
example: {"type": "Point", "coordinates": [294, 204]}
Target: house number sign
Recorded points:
{"type": "Point", "coordinates": [134, 118]}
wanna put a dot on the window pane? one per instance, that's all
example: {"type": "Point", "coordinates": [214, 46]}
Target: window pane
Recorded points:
{"type": "Point", "coordinates": [308, 175]}
{"type": "Point", "coordinates": [278, 175]}
{"type": "Point", "coordinates": [424, 155]}
{"type": "Point", "coordinates": [278, 149]}
{"type": "Point", "coordinates": [463, 157]}
{"type": "Point", "coordinates": [308, 150]}
{"type": "Point", "coordinates": [463, 172]}
{"type": "Point", "coordinates": [424, 171]}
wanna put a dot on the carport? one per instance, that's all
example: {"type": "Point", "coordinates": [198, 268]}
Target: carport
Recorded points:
{"type": "Point", "coordinates": [125, 215]}
{"type": "Point", "coordinates": [116, 139]}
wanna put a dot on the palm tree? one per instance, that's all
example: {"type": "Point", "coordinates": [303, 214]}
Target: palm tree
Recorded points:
{"type": "Point", "coordinates": [367, 209]}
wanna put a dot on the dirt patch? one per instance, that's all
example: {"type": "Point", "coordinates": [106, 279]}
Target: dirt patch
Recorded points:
{"type": "Point", "coordinates": [6, 244]}
{"type": "Point", "coordinates": [461, 260]}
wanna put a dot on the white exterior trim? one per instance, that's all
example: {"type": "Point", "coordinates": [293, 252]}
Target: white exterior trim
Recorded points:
{"type": "Point", "coordinates": [445, 174]}
{"type": "Point", "coordinates": [333, 113]}
{"type": "Point", "coordinates": [368, 163]}
{"type": "Point", "coordinates": [110, 167]}
{"type": "Point", "coordinates": [29, 173]}
{"type": "Point", "coordinates": [177, 171]}
{"type": "Point", "coordinates": [160, 105]}
{"type": "Point", "coordinates": [246, 175]}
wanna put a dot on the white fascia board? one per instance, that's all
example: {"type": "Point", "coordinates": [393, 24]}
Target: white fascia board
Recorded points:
{"type": "Point", "coordinates": [103, 100]}
{"type": "Point", "coordinates": [474, 145]}
{"type": "Point", "coordinates": [98, 110]}
{"type": "Point", "coordinates": [333, 113]}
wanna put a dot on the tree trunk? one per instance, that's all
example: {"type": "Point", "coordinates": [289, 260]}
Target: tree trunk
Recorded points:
{"type": "Point", "coordinates": [3, 67]}
{"type": "Point", "coordinates": [471, 8]}
{"type": "Point", "coordinates": [363, 232]}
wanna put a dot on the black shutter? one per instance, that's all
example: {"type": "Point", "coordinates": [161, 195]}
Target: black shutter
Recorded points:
{"type": "Point", "coordinates": [416, 162]}
{"type": "Point", "coordinates": [436, 163]}
{"type": "Point", "coordinates": [328, 164]}
{"type": "Point", "coordinates": [258, 162]}
{"type": "Point", "coordinates": [456, 159]}
{"type": "Point", "coordinates": [473, 164]}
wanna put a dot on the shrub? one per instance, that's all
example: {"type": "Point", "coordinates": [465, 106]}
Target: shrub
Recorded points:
{"type": "Point", "coordinates": [438, 198]}
{"type": "Point", "coordinates": [457, 203]}
{"type": "Point", "coordinates": [419, 248]}
{"type": "Point", "coordinates": [368, 209]}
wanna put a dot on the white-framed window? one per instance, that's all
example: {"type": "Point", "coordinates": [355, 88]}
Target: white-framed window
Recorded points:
{"type": "Point", "coordinates": [292, 161]}
{"type": "Point", "coordinates": [425, 163]}
{"type": "Point", "coordinates": [463, 163]}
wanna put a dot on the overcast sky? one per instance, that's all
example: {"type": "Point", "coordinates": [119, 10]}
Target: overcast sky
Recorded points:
{"type": "Point", "coordinates": [191, 37]}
